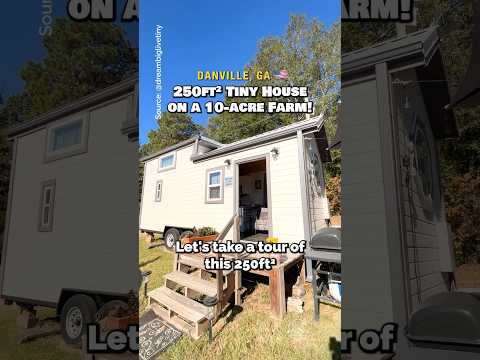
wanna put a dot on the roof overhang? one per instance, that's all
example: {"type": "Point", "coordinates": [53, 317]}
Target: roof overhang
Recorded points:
{"type": "Point", "coordinates": [419, 51]}
{"type": "Point", "coordinates": [289, 131]}
{"type": "Point", "coordinates": [99, 97]}
{"type": "Point", "coordinates": [408, 51]}
{"type": "Point", "coordinates": [469, 92]}
{"type": "Point", "coordinates": [201, 140]}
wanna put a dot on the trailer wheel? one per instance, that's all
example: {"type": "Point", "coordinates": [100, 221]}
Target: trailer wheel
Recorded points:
{"type": "Point", "coordinates": [78, 312]}
{"type": "Point", "coordinates": [170, 238]}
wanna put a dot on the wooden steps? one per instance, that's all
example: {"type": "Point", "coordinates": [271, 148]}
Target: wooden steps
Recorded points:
{"type": "Point", "coordinates": [187, 314]}
{"type": "Point", "coordinates": [197, 261]}
{"type": "Point", "coordinates": [191, 260]}
{"type": "Point", "coordinates": [189, 274]}
{"type": "Point", "coordinates": [191, 282]}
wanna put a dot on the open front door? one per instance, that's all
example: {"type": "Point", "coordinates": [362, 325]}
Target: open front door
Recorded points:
{"type": "Point", "coordinates": [253, 198]}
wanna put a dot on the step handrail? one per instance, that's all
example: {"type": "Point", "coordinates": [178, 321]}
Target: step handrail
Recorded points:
{"type": "Point", "coordinates": [233, 220]}
{"type": "Point", "coordinates": [235, 223]}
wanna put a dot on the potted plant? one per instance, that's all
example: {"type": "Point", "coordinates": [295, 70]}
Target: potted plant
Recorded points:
{"type": "Point", "coordinates": [118, 315]}
{"type": "Point", "coordinates": [203, 234]}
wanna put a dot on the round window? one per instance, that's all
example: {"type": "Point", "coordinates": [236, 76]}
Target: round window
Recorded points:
{"type": "Point", "coordinates": [424, 163]}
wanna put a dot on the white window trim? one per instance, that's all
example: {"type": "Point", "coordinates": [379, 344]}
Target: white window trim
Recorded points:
{"type": "Point", "coordinates": [157, 197]}
{"type": "Point", "coordinates": [219, 200]}
{"type": "Point", "coordinates": [46, 227]}
{"type": "Point", "coordinates": [174, 163]}
{"type": "Point", "coordinates": [81, 148]}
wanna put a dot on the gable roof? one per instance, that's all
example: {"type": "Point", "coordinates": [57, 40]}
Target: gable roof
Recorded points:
{"type": "Point", "coordinates": [290, 130]}
{"type": "Point", "coordinates": [219, 149]}
{"type": "Point", "coordinates": [202, 140]}
{"type": "Point", "coordinates": [415, 48]}
{"type": "Point", "coordinates": [419, 51]}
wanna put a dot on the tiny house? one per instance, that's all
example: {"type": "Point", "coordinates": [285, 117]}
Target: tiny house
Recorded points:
{"type": "Point", "coordinates": [397, 250]}
{"type": "Point", "coordinates": [72, 210]}
{"type": "Point", "coordinates": [274, 181]}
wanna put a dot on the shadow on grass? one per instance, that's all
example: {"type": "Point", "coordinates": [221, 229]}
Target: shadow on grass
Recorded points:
{"type": "Point", "coordinates": [335, 348]}
{"type": "Point", "coordinates": [145, 263]}
{"type": "Point", "coordinates": [227, 317]}
{"type": "Point", "coordinates": [232, 314]}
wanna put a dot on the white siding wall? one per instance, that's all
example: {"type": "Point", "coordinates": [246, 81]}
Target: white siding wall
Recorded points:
{"type": "Point", "coordinates": [183, 201]}
{"type": "Point", "coordinates": [366, 272]}
{"type": "Point", "coordinates": [94, 229]}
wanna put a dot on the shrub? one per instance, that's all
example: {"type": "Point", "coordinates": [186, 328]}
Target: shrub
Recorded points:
{"type": "Point", "coordinates": [205, 231]}
{"type": "Point", "coordinates": [334, 191]}
{"type": "Point", "coordinates": [462, 197]}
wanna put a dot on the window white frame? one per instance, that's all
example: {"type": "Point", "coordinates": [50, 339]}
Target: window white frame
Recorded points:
{"type": "Point", "coordinates": [158, 190]}
{"type": "Point", "coordinates": [160, 168]}
{"type": "Point", "coordinates": [47, 204]}
{"type": "Point", "coordinates": [208, 186]}
{"type": "Point", "coordinates": [76, 149]}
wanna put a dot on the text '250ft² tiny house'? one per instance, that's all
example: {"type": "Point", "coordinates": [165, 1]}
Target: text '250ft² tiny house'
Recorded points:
{"type": "Point", "coordinates": [274, 181]}
{"type": "Point", "coordinates": [72, 214]}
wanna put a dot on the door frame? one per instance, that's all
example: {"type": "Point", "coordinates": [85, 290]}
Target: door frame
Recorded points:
{"type": "Point", "coordinates": [236, 185]}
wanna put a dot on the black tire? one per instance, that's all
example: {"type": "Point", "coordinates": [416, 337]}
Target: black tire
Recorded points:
{"type": "Point", "coordinates": [170, 238]}
{"type": "Point", "coordinates": [77, 312]}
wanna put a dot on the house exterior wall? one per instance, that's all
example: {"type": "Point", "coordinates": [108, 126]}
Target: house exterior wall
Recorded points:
{"type": "Point", "coordinates": [385, 290]}
{"type": "Point", "coordinates": [423, 231]}
{"type": "Point", "coordinates": [316, 188]}
{"type": "Point", "coordinates": [366, 269]}
{"type": "Point", "coordinates": [84, 249]}
{"type": "Point", "coordinates": [183, 203]}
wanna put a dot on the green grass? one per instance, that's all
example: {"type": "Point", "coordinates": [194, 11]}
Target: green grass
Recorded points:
{"type": "Point", "coordinates": [159, 261]}
{"type": "Point", "coordinates": [252, 333]}
{"type": "Point", "coordinates": [46, 348]}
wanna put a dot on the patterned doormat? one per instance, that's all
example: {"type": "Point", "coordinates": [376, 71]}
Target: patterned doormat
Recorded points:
{"type": "Point", "coordinates": [155, 336]}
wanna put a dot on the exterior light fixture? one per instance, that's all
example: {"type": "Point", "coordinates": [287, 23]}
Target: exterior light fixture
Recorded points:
{"type": "Point", "coordinates": [228, 162]}
{"type": "Point", "coordinates": [275, 153]}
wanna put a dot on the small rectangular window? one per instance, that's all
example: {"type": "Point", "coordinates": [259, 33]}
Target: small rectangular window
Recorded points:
{"type": "Point", "coordinates": [158, 190]}
{"type": "Point", "coordinates": [47, 200]}
{"type": "Point", "coordinates": [67, 138]}
{"type": "Point", "coordinates": [214, 191]}
{"type": "Point", "coordinates": [166, 162]}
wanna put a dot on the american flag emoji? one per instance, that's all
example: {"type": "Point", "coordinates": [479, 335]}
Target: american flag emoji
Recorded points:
{"type": "Point", "coordinates": [283, 75]}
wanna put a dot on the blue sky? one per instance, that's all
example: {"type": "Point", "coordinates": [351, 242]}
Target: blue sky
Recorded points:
{"type": "Point", "coordinates": [209, 35]}
{"type": "Point", "coordinates": [19, 33]}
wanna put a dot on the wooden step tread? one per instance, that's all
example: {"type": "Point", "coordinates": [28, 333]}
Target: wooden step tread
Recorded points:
{"type": "Point", "coordinates": [187, 308]}
{"type": "Point", "coordinates": [197, 261]}
{"type": "Point", "coordinates": [193, 282]}
{"type": "Point", "coordinates": [192, 260]}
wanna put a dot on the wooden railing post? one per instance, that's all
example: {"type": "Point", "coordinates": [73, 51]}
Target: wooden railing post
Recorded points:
{"type": "Point", "coordinates": [219, 290]}
{"type": "Point", "coordinates": [238, 273]}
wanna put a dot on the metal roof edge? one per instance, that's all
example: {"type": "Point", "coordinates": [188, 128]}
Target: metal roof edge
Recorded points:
{"type": "Point", "coordinates": [182, 144]}
{"type": "Point", "coordinates": [168, 149]}
{"type": "Point", "coordinates": [269, 136]}
{"type": "Point", "coordinates": [87, 101]}
{"type": "Point", "coordinates": [420, 45]}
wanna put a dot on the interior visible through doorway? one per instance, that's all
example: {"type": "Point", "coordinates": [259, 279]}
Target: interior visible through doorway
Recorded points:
{"type": "Point", "coordinates": [253, 200]}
